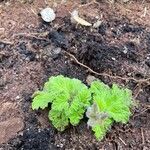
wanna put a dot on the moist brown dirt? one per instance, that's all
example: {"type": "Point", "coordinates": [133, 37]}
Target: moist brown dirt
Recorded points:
{"type": "Point", "coordinates": [31, 51]}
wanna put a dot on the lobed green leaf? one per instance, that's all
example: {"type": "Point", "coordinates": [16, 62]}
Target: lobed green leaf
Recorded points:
{"type": "Point", "coordinates": [113, 103]}
{"type": "Point", "coordinates": [69, 98]}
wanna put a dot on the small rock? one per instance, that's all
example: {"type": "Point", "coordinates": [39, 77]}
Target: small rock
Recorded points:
{"type": "Point", "coordinates": [113, 58]}
{"type": "Point", "coordinates": [51, 51]}
{"type": "Point", "coordinates": [125, 51]}
{"type": "Point", "coordinates": [17, 97]}
{"type": "Point", "coordinates": [48, 14]}
{"type": "Point", "coordinates": [97, 24]}
{"type": "Point", "coordinates": [56, 50]}
{"type": "Point", "coordinates": [90, 79]}
{"type": "Point", "coordinates": [9, 128]}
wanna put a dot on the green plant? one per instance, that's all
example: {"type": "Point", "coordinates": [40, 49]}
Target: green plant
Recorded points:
{"type": "Point", "coordinates": [69, 99]}
{"type": "Point", "coordinates": [109, 105]}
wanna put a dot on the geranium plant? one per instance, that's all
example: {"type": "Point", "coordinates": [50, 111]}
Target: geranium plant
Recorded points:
{"type": "Point", "coordinates": [69, 99]}
{"type": "Point", "coordinates": [109, 105]}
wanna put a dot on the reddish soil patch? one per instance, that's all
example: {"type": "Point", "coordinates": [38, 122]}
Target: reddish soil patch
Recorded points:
{"type": "Point", "coordinates": [120, 46]}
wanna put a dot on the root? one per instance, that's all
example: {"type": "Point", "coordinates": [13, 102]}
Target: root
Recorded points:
{"type": "Point", "coordinates": [39, 36]}
{"type": "Point", "coordinates": [139, 81]}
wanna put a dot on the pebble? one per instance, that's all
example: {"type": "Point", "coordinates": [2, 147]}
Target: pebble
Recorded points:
{"type": "Point", "coordinates": [113, 58]}
{"type": "Point", "coordinates": [97, 24]}
{"type": "Point", "coordinates": [90, 79]}
{"type": "Point", "coordinates": [48, 14]}
{"type": "Point", "coordinates": [56, 50]}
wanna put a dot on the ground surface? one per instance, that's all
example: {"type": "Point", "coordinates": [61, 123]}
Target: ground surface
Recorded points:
{"type": "Point", "coordinates": [32, 51]}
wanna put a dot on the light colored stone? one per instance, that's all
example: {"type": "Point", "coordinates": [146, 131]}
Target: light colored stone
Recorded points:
{"type": "Point", "coordinates": [97, 23]}
{"type": "Point", "coordinates": [56, 50]}
{"type": "Point", "coordinates": [9, 128]}
{"type": "Point", "coordinates": [48, 14]}
{"type": "Point", "coordinates": [90, 79]}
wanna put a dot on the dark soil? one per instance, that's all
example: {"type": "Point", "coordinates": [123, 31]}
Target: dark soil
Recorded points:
{"type": "Point", "coordinates": [117, 47]}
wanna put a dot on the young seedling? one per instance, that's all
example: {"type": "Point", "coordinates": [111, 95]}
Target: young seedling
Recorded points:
{"type": "Point", "coordinates": [109, 105]}
{"type": "Point", "coordinates": [69, 99]}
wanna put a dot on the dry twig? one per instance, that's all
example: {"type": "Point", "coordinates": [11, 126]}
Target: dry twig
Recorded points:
{"type": "Point", "coordinates": [38, 36]}
{"type": "Point", "coordinates": [143, 139]}
{"type": "Point", "coordinates": [137, 90]}
{"type": "Point", "coordinates": [6, 42]}
{"type": "Point", "coordinates": [127, 130]}
{"type": "Point", "coordinates": [147, 106]}
{"type": "Point", "coordinates": [143, 111]}
{"type": "Point", "coordinates": [122, 141]}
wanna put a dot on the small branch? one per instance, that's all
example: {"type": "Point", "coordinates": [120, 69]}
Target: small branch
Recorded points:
{"type": "Point", "coordinates": [140, 81]}
{"type": "Point", "coordinates": [137, 90]}
{"type": "Point", "coordinates": [6, 42]}
{"type": "Point", "coordinates": [145, 12]}
{"type": "Point", "coordinates": [143, 111]}
{"type": "Point", "coordinates": [147, 106]}
{"type": "Point", "coordinates": [38, 36]}
{"type": "Point", "coordinates": [127, 130]}
{"type": "Point", "coordinates": [122, 141]}
{"type": "Point", "coordinates": [143, 139]}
